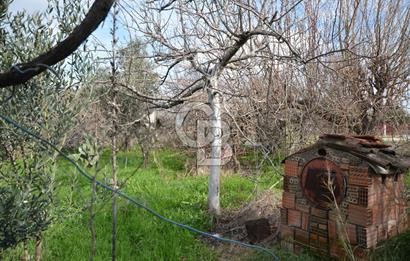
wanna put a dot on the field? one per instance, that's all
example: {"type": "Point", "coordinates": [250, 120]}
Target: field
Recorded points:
{"type": "Point", "coordinates": [166, 186]}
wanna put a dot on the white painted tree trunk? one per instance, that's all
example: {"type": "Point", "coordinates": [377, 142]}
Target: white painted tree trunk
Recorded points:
{"type": "Point", "coordinates": [216, 144]}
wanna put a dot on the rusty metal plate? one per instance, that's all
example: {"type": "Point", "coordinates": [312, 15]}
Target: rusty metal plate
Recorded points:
{"type": "Point", "coordinates": [316, 176]}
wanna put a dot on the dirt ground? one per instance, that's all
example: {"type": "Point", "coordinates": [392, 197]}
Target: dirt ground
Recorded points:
{"type": "Point", "coordinates": [232, 225]}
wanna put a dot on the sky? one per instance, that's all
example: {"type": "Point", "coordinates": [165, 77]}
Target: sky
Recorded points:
{"type": "Point", "coordinates": [32, 6]}
{"type": "Point", "coordinates": [101, 37]}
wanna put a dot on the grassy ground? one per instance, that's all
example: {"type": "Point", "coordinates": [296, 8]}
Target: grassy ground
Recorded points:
{"type": "Point", "coordinates": [164, 186]}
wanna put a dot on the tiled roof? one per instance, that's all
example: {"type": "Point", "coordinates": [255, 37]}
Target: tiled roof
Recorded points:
{"type": "Point", "coordinates": [372, 150]}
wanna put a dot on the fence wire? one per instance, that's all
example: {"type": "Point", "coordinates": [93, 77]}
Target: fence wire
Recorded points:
{"type": "Point", "coordinates": [36, 137]}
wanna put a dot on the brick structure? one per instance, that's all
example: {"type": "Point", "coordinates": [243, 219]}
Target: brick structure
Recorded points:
{"type": "Point", "coordinates": [367, 183]}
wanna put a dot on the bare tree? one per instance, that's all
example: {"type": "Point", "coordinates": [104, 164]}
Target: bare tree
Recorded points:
{"type": "Point", "coordinates": [204, 43]}
{"type": "Point", "coordinates": [360, 90]}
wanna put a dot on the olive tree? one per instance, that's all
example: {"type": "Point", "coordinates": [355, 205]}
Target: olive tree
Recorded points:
{"type": "Point", "coordinates": [44, 105]}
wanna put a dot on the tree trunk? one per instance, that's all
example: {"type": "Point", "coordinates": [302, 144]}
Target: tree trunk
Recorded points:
{"type": "Point", "coordinates": [114, 118]}
{"type": "Point", "coordinates": [216, 144]}
{"type": "Point", "coordinates": [236, 163]}
{"type": "Point", "coordinates": [145, 154]}
{"type": "Point", "coordinates": [62, 49]}
{"type": "Point", "coordinates": [26, 254]}
{"type": "Point", "coordinates": [114, 196]}
{"type": "Point", "coordinates": [39, 248]}
{"type": "Point", "coordinates": [126, 144]}
{"type": "Point", "coordinates": [92, 215]}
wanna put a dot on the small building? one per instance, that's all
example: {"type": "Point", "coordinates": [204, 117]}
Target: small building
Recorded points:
{"type": "Point", "coordinates": [343, 185]}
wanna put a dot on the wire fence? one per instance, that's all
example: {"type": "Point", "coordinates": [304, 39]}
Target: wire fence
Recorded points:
{"type": "Point", "coordinates": [36, 137]}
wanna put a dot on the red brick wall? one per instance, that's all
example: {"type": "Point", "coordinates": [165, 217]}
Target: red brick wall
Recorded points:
{"type": "Point", "coordinates": [374, 209]}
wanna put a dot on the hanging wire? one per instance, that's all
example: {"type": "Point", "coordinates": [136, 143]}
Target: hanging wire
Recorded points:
{"type": "Point", "coordinates": [46, 143]}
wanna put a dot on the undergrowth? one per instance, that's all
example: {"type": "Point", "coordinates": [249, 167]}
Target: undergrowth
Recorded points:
{"type": "Point", "coordinates": [167, 187]}
{"type": "Point", "coordinates": [163, 185]}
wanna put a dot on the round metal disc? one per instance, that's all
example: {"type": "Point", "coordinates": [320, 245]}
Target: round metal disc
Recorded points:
{"type": "Point", "coordinates": [319, 177]}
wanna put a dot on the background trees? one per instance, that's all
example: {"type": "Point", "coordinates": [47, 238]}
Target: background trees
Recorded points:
{"type": "Point", "coordinates": [372, 76]}
{"type": "Point", "coordinates": [279, 73]}
{"type": "Point", "coordinates": [224, 48]}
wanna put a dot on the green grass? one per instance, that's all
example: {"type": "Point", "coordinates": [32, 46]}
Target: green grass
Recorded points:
{"type": "Point", "coordinates": [163, 185]}
{"type": "Point", "coordinates": [407, 180]}
{"type": "Point", "coordinates": [395, 249]}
